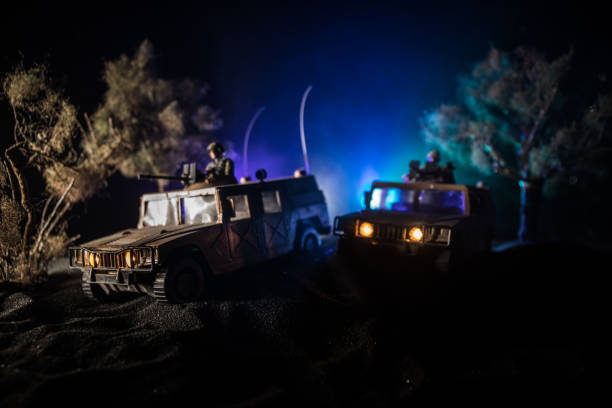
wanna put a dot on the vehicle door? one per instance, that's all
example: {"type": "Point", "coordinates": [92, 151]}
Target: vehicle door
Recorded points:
{"type": "Point", "coordinates": [243, 226]}
{"type": "Point", "coordinates": [202, 209]}
{"type": "Point", "coordinates": [276, 222]}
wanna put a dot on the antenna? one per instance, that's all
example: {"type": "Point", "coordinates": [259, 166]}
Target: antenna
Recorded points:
{"type": "Point", "coordinates": [302, 134]}
{"type": "Point", "coordinates": [247, 135]}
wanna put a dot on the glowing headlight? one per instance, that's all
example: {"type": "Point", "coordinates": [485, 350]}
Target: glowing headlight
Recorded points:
{"type": "Point", "coordinates": [92, 259]}
{"type": "Point", "coordinates": [415, 234]}
{"type": "Point", "coordinates": [365, 229]}
{"type": "Point", "coordinates": [128, 259]}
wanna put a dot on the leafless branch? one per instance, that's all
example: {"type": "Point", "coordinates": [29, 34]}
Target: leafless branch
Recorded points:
{"type": "Point", "coordinates": [23, 191]}
{"type": "Point", "coordinates": [499, 164]}
{"type": "Point", "coordinates": [56, 219]}
{"type": "Point", "coordinates": [89, 126]}
{"type": "Point", "coordinates": [16, 128]}
{"type": "Point", "coordinates": [528, 142]}
{"type": "Point", "coordinates": [9, 175]}
{"type": "Point", "coordinates": [72, 239]}
{"type": "Point", "coordinates": [53, 217]}
{"type": "Point", "coordinates": [45, 208]}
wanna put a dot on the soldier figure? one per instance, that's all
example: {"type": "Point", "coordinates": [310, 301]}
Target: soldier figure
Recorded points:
{"type": "Point", "coordinates": [431, 171]}
{"type": "Point", "coordinates": [221, 169]}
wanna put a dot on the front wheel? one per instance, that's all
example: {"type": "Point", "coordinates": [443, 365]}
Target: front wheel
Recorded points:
{"type": "Point", "coordinates": [101, 293]}
{"type": "Point", "coordinates": [182, 282]}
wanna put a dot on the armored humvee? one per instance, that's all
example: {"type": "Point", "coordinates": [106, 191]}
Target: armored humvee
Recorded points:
{"type": "Point", "coordinates": [184, 237]}
{"type": "Point", "coordinates": [443, 224]}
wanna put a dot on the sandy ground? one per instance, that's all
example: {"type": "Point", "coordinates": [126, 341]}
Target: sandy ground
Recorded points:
{"type": "Point", "coordinates": [518, 325]}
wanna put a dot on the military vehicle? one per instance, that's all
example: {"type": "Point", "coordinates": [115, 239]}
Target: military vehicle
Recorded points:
{"type": "Point", "coordinates": [187, 236]}
{"type": "Point", "coordinates": [439, 224]}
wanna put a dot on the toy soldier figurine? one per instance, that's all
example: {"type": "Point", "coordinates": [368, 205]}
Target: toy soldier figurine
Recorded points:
{"type": "Point", "coordinates": [221, 169]}
{"type": "Point", "coordinates": [431, 171]}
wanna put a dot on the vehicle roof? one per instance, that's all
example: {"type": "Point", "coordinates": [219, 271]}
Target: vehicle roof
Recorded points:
{"type": "Point", "coordinates": [421, 185]}
{"type": "Point", "coordinates": [178, 193]}
{"type": "Point", "coordinates": [293, 184]}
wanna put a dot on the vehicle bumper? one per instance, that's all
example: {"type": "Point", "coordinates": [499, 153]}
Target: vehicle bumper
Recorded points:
{"type": "Point", "coordinates": [132, 280]}
{"type": "Point", "coordinates": [376, 253]}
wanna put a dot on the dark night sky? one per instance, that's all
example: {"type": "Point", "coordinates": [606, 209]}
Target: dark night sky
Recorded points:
{"type": "Point", "coordinates": [374, 67]}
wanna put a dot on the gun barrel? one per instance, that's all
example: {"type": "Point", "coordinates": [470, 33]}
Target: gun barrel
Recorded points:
{"type": "Point", "coordinates": [155, 177]}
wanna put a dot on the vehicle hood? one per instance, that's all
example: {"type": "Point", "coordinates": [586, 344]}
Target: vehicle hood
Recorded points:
{"type": "Point", "coordinates": [399, 218]}
{"type": "Point", "coordinates": [143, 236]}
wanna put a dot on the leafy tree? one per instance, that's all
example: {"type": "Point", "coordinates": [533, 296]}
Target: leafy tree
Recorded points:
{"type": "Point", "coordinates": [162, 122]}
{"type": "Point", "coordinates": [512, 120]}
{"type": "Point", "coordinates": [144, 124]}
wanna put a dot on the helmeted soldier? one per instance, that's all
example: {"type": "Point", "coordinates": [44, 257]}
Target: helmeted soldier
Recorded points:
{"type": "Point", "coordinates": [433, 157]}
{"type": "Point", "coordinates": [221, 169]}
{"type": "Point", "coordinates": [431, 171]}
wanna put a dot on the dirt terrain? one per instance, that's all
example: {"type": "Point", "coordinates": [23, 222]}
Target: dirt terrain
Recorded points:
{"type": "Point", "coordinates": [516, 325]}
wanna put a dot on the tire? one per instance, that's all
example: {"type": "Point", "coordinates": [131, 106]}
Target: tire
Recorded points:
{"type": "Point", "coordinates": [95, 291]}
{"type": "Point", "coordinates": [309, 243]}
{"type": "Point", "coordinates": [182, 282]}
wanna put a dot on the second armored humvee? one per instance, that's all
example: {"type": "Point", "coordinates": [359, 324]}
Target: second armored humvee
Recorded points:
{"type": "Point", "coordinates": [440, 224]}
{"type": "Point", "coordinates": [184, 237]}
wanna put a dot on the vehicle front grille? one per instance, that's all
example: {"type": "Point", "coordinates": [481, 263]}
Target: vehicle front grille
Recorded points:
{"type": "Point", "coordinates": [138, 257]}
{"type": "Point", "coordinates": [429, 234]}
{"type": "Point", "coordinates": [112, 260]}
{"type": "Point", "coordinates": [390, 233]}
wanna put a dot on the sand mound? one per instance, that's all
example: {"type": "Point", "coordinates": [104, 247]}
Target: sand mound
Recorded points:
{"type": "Point", "coordinates": [283, 335]}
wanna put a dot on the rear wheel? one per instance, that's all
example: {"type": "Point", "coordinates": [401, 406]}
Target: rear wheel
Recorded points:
{"type": "Point", "coordinates": [182, 282]}
{"type": "Point", "coordinates": [309, 243]}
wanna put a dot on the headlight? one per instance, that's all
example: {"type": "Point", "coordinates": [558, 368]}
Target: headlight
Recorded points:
{"type": "Point", "coordinates": [415, 234]}
{"type": "Point", "coordinates": [137, 257]}
{"type": "Point", "coordinates": [92, 259]}
{"type": "Point", "coordinates": [365, 229]}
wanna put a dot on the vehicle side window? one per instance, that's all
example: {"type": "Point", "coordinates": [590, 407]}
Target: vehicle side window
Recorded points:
{"type": "Point", "coordinates": [199, 209]}
{"type": "Point", "coordinates": [160, 212]}
{"type": "Point", "coordinates": [271, 201]}
{"type": "Point", "coordinates": [448, 202]}
{"type": "Point", "coordinates": [240, 205]}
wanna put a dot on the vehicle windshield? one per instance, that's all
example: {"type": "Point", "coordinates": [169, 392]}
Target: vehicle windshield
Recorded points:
{"type": "Point", "coordinates": [201, 209]}
{"type": "Point", "coordinates": [408, 200]}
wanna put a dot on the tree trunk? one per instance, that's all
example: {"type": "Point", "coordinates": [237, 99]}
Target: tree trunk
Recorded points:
{"type": "Point", "coordinates": [531, 197]}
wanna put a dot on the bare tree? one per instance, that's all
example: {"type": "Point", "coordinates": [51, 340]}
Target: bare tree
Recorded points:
{"type": "Point", "coordinates": [41, 175]}
{"type": "Point", "coordinates": [510, 121]}
{"type": "Point", "coordinates": [54, 161]}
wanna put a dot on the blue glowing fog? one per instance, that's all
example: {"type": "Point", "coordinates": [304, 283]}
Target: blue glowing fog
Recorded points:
{"type": "Point", "coordinates": [373, 73]}
{"type": "Point", "coordinates": [374, 66]}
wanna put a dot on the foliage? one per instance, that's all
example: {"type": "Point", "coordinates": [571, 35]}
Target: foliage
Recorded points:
{"type": "Point", "coordinates": [55, 161]}
{"type": "Point", "coordinates": [43, 154]}
{"type": "Point", "coordinates": [513, 119]}
{"type": "Point", "coordinates": [157, 118]}
{"type": "Point", "coordinates": [506, 120]}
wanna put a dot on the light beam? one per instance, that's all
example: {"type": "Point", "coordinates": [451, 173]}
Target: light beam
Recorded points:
{"type": "Point", "coordinates": [247, 135]}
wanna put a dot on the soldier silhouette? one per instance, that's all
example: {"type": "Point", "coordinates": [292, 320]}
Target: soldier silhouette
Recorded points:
{"type": "Point", "coordinates": [431, 171]}
{"type": "Point", "coordinates": [221, 169]}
